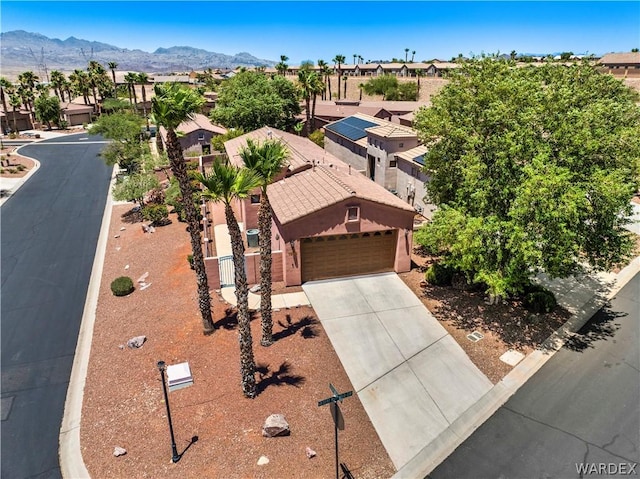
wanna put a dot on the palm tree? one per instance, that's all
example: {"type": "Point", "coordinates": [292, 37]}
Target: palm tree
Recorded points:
{"type": "Point", "coordinates": [413, 54]}
{"type": "Point", "coordinates": [226, 183]}
{"type": "Point", "coordinates": [15, 101]}
{"type": "Point", "coordinates": [355, 55]}
{"type": "Point", "coordinates": [172, 105]}
{"type": "Point", "coordinates": [112, 66]}
{"type": "Point", "coordinates": [282, 66]}
{"type": "Point", "coordinates": [143, 79]}
{"type": "Point", "coordinates": [339, 59]}
{"type": "Point", "coordinates": [317, 87]}
{"type": "Point", "coordinates": [57, 82]}
{"type": "Point", "coordinates": [344, 80]}
{"type": "Point", "coordinates": [306, 82]}
{"type": "Point", "coordinates": [406, 53]}
{"type": "Point", "coordinates": [96, 72]}
{"type": "Point", "coordinates": [419, 74]}
{"type": "Point", "coordinates": [131, 78]}
{"type": "Point", "coordinates": [267, 160]}
{"type": "Point", "coordinates": [360, 59]}
{"type": "Point", "coordinates": [361, 86]}
{"type": "Point", "coordinates": [5, 86]}
{"type": "Point", "coordinates": [80, 84]}
{"type": "Point", "coordinates": [324, 72]}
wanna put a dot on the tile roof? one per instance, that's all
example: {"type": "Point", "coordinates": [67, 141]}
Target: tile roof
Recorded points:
{"type": "Point", "coordinates": [301, 151]}
{"type": "Point", "coordinates": [325, 185]}
{"type": "Point", "coordinates": [392, 130]}
{"type": "Point", "coordinates": [413, 154]}
{"type": "Point", "coordinates": [332, 110]}
{"type": "Point", "coordinates": [309, 189]}
{"type": "Point", "coordinates": [620, 58]}
{"type": "Point", "coordinates": [200, 122]}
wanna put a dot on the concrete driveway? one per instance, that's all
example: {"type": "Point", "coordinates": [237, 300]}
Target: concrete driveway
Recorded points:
{"type": "Point", "coordinates": [409, 373]}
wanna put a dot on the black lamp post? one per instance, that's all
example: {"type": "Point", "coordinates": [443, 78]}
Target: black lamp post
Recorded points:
{"type": "Point", "coordinates": [176, 456]}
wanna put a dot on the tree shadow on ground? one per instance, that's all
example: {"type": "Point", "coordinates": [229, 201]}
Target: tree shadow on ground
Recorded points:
{"type": "Point", "coordinates": [599, 328]}
{"type": "Point", "coordinates": [509, 320]}
{"type": "Point", "coordinates": [307, 324]}
{"type": "Point", "coordinates": [134, 215]}
{"type": "Point", "coordinates": [278, 377]}
{"type": "Point", "coordinates": [230, 319]}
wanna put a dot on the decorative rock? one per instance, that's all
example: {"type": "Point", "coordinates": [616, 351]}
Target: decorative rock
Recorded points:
{"type": "Point", "coordinates": [122, 228]}
{"type": "Point", "coordinates": [117, 236]}
{"type": "Point", "coordinates": [144, 286]}
{"type": "Point", "coordinates": [255, 288]}
{"type": "Point", "coordinates": [275, 425]}
{"type": "Point", "coordinates": [263, 460]}
{"type": "Point", "coordinates": [310, 452]}
{"type": "Point", "coordinates": [136, 342]}
{"type": "Point", "coordinates": [143, 278]}
{"type": "Point", "coordinates": [126, 267]}
{"type": "Point", "coordinates": [119, 451]}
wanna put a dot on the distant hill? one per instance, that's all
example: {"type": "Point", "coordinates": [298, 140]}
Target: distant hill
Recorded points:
{"type": "Point", "coordinates": [21, 51]}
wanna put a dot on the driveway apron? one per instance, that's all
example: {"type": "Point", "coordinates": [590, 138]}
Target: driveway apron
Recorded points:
{"type": "Point", "coordinates": [410, 375]}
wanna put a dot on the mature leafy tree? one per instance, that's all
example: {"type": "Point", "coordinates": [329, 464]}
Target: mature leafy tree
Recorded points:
{"type": "Point", "coordinates": [532, 170]}
{"type": "Point", "coordinates": [172, 105]}
{"type": "Point", "coordinates": [134, 187]}
{"type": "Point", "coordinates": [217, 142]}
{"type": "Point", "coordinates": [127, 147]}
{"type": "Point", "coordinates": [267, 161]}
{"type": "Point", "coordinates": [251, 100]}
{"type": "Point", "coordinates": [406, 91]}
{"type": "Point", "coordinates": [48, 110]}
{"type": "Point", "coordinates": [225, 183]}
{"type": "Point", "coordinates": [381, 85]}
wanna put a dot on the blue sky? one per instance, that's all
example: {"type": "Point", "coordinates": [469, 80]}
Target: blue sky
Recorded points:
{"type": "Point", "coordinates": [313, 30]}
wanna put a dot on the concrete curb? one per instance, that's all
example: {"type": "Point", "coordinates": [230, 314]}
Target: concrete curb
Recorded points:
{"type": "Point", "coordinates": [440, 448]}
{"type": "Point", "coordinates": [71, 462]}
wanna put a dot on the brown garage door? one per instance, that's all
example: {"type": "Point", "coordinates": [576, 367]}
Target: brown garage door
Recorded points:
{"type": "Point", "coordinates": [348, 254]}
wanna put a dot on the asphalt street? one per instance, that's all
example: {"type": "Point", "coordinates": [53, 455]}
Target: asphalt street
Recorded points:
{"type": "Point", "coordinates": [49, 231]}
{"type": "Point", "coordinates": [579, 416]}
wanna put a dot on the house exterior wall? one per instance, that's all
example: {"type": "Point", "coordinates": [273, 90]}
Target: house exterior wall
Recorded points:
{"type": "Point", "coordinates": [383, 151]}
{"type": "Point", "coordinates": [194, 141]}
{"type": "Point", "coordinates": [332, 220]}
{"type": "Point", "coordinates": [74, 119]}
{"type": "Point", "coordinates": [345, 150]}
{"type": "Point", "coordinates": [411, 186]}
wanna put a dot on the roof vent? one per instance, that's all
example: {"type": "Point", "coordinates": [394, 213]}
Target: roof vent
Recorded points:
{"type": "Point", "coordinates": [269, 134]}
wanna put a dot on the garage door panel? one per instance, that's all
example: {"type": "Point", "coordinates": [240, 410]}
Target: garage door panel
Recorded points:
{"type": "Point", "coordinates": [346, 255]}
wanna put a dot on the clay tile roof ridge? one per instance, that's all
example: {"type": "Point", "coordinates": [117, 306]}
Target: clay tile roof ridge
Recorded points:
{"type": "Point", "coordinates": [342, 184]}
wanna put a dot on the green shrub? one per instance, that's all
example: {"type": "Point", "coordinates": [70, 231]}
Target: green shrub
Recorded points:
{"type": "Point", "coordinates": [318, 138]}
{"type": "Point", "coordinates": [122, 286]}
{"type": "Point", "coordinates": [157, 214]}
{"type": "Point", "coordinates": [21, 167]}
{"type": "Point", "coordinates": [439, 274]}
{"type": "Point", "coordinates": [190, 260]}
{"type": "Point", "coordinates": [539, 300]}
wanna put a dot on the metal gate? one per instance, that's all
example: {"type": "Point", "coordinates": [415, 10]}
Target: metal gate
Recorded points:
{"type": "Point", "coordinates": [227, 271]}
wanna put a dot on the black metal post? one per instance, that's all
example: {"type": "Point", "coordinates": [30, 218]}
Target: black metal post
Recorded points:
{"type": "Point", "coordinates": [335, 428]}
{"type": "Point", "coordinates": [176, 456]}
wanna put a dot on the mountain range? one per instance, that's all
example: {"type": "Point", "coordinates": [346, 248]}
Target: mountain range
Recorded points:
{"type": "Point", "coordinates": [22, 51]}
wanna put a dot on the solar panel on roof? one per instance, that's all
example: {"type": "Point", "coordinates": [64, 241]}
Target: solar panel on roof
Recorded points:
{"type": "Point", "coordinates": [351, 127]}
{"type": "Point", "coordinates": [419, 159]}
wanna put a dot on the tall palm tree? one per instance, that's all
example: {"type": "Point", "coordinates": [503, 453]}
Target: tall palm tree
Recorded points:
{"type": "Point", "coordinates": [267, 160]}
{"type": "Point", "coordinates": [5, 90]}
{"type": "Point", "coordinates": [112, 66]}
{"type": "Point", "coordinates": [413, 54]}
{"type": "Point", "coordinates": [406, 54]}
{"type": "Point", "coordinates": [131, 78]}
{"type": "Point", "coordinates": [143, 79]}
{"type": "Point", "coordinates": [96, 72]}
{"type": "Point", "coordinates": [360, 59]}
{"type": "Point", "coordinates": [57, 82]}
{"type": "Point", "coordinates": [15, 101]}
{"type": "Point", "coordinates": [306, 82]}
{"type": "Point", "coordinates": [80, 84]}
{"type": "Point", "coordinates": [324, 71]}
{"type": "Point", "coordinates": [339, 60]}
{"type": "Point", "coordinates": [317, 87]}
{"type": "Point", "coordinates": [361, 86]}
{"type": "Point", "coordinates": [225, 183]}
{"type": "Point", "coordinates": [419, 74]}
{"type": "Point", "coordinates": [172, 105]}
{"type": "Point", "coordinates": [344, 80]}
{"type": "Point", "coordinates": [355, 55]}
{"type": "Point", "coordinates": [282, 66]}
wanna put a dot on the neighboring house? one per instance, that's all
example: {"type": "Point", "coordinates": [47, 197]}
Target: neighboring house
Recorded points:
{"type": "Point", "coordinates": [22, 120]}
{"type": "Point", "coordinates": [368, 144]}
{"type": "Point", "coordinates": [196, 135]}
{"type": "Point", "coordinates": [172, 79]}
{"type": "Point", "coordinates": [623, 64]}
{"type": "Point", "coordinates": [368, 70]}
{"type": "Point", "coordinates": [411, 180]}
{"type": "Point", "coordinates": [75, 114]}
{"type": "Point", "coordinates": [329, 111]}
{"type": "Point", "coordinates": [328, 220]}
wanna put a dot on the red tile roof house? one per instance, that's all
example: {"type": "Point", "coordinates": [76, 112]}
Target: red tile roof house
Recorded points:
{"type": "Point", "coordinates": [328, 220]}
{"type": "Point", "coordinates": [196, 135]}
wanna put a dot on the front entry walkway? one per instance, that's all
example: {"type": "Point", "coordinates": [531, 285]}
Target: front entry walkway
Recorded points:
{"type": "Point", "coordinates": [410, 374]}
